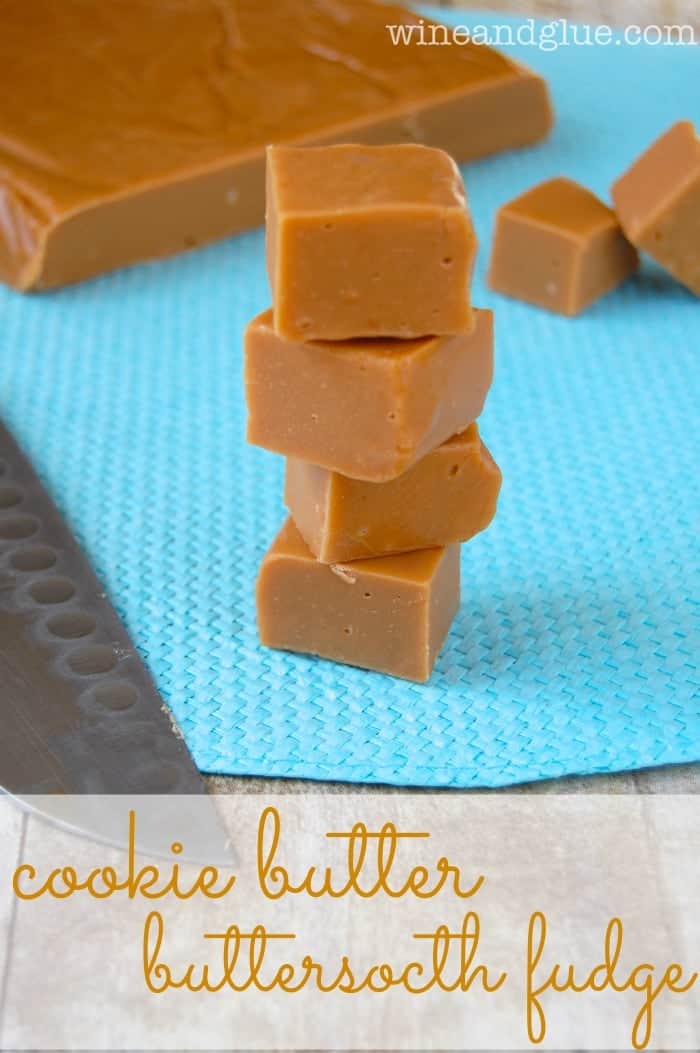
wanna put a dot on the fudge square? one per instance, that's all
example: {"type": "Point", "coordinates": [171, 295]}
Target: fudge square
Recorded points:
{"type": "Point", "coordinates": [560, 247]}
{"type": "Point", "coordinates": [365, 408]}
{"type": "Point", "coordinates": [658, 203]}
{"type": "Point", "coordinates": [367, 241]}
{"type": "Point", "coordinates": [391, 614]}
{"type": "Point", "coordinates": [448, 496]}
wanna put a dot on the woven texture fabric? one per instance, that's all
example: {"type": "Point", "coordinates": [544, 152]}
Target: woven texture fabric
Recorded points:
{"type": "Point", "coordinates": [576, 647]}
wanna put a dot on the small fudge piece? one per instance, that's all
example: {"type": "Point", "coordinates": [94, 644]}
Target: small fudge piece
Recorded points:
{"type": "Point", "coordinates": [448, 496]}
{"type": "Point", "coordinates": [366, 241]}
{"type": "Point", "coordinates": [391, 614]}
{"type": "Point", "coordinates": [658, 203]}
{"type": "Point", "coordinates": [366, 408]}
{"type": "Point", "coordinates": [559, 246]}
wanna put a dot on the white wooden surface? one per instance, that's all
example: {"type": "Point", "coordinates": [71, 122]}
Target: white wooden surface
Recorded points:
{"type": "Point", "coordinates": [615, 12]}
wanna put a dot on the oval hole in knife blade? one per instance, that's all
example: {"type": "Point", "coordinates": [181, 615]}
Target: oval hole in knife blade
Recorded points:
{"type": "Point", "coordinates": [162, 776]}
{"type": "Point", "coordinates": [52, 590]}
{"type": "Point", "coordinates": [33, 557]}
{"type": "Point", "coordinates": [92, 660]}
{"type": "Point", "coordinates": [71, 625]}
{"type": "Point", "coordinates": [10, 496]}
{"type": "Point", "coordinates": [117, 696]}
{"type": "Point", "coordinates": [15, 528]}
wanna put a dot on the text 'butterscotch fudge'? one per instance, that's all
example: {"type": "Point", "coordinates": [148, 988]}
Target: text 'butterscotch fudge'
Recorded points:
{"type": "Point", "coordinates": [368, 409]}
{"type": "Point", "coordinates": [658, 203]}
{"type": "Point", "coordinates": [138, 129]}
{"type": "Point", "coordinates": [366, 242]}
{"type": "Point", "coordinates": [448, 496]}
{"type": "Point", "coordinates": [390, 615]}
{"type": "Point", "coordinates": [560, 247]}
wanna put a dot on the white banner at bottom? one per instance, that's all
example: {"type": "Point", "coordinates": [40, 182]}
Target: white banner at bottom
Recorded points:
{"type": "Point", "coordinates": [343, 921]}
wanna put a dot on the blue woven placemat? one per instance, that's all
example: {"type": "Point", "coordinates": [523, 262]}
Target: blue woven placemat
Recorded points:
{"type": "Point", "coordinates": [576, 647]}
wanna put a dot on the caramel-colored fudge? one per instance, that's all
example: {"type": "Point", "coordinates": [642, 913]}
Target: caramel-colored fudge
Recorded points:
{"type": "Point", "coordinates": [391, 614]}
{"type": "Point", "coordinates": [658, 203]}
{"type": "Point", "coordinates": [448, 496]}
{"type": "Point", "coordinates": [133, 130]}
{"type": "Point", "coordinates": [365, 408]}
{"type": "Point", "coordinates": [366, 241]}
{"type": "Point", "coordinates": [560, 247]}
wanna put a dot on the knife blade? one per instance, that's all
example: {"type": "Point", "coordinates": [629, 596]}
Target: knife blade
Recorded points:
{"type": "Point", "coordinates": [79, 711]}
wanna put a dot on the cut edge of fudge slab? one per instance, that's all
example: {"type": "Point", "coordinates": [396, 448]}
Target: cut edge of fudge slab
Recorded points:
{"type": "Point", "coordinates": [143, 224]}
{"type": "Point", "coordinates": [390, 615]}
{"type": "Point", "coordinates": [453, 492]}
{"type": "Point", "coordinates": [44, 245]}
{"type": "Point", "coordinates": [658, 202]}
{"type": "Point", "coordinates": [400, 398]}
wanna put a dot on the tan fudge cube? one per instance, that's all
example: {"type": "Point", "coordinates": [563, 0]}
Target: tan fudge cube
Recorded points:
{"type": "Point", "coordinates": [391, 615]}
{"type": "Point", "coordinates": [366, 241]}
{"type": "Point", "coordinates": [658, 203]}
{"type": "Point", "coordinates": [560, 247]}
{"type": "Point", "coordinates": [448, 496]}
{"type": "Point", "coordinates": [368, 409]}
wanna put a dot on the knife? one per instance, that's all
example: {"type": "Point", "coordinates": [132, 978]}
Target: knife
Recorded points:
{"type": "Point", "coordinates": [79, 712]}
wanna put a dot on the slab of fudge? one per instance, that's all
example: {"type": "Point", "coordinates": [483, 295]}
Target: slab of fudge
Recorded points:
{"type": "Point", "coordinates": [367, 241]}
{"type": "Point", "coordinates": [368, 409]}
{"type": "Point", "coordinates": [137, 130]}
{"type": "Point", "coordinates": [560, 247]}
{"type": "Point", "coordinates": [658, 203]}
{"type": "Point", "coordinates": [390, 614]}
{"type": "Point", "coordinates": [448, 496]}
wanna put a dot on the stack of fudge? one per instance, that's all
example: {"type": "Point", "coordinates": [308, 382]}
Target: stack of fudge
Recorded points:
{"type": "Point", "coordinates": [368, 373]}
